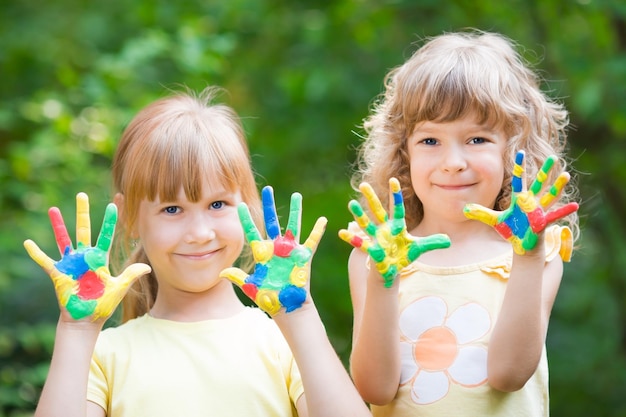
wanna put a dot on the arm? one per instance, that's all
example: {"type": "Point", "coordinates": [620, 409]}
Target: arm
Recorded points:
{"type": "Point", "coordinates": [279, 285]}
{"type": "Point", "coordinates": [375, 357]}
{"type": "Point", "coordinates": [520, 331]}
{"type": "Point", "coordinates": [328, 389]}
{"type": "Point", "coordinates": [375, 361]}
{"type": "Point", "coordinates": [519, 334]}
{"type": "Point", "coordinates": [87, 296]}
{"type": "Point", "coordinates": [65, 390]}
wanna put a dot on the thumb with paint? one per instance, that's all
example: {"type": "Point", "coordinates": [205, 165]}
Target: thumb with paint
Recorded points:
{"type": "Point", "coordinates": [82, 281]}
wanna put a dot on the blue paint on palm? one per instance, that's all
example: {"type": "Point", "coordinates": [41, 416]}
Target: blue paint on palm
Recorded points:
{"type": "Point", "coordinates": [73, 264]}
{"type": "Point", "coordinates": [518, 222]}
{"type": "Point", "coordinates": [259, 275]}
{"type": "Point", "coordinates": [292, 297]}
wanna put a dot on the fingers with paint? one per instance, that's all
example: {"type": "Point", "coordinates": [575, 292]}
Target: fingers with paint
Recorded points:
{"type": "Point", "coordinates": [529, 213]}
{"type": "Point", "coordinates": [386, 239]}
{"type": "Point", "coordinates": [282, 264]}
{"type": "Point", "coordinates": [81, 278]}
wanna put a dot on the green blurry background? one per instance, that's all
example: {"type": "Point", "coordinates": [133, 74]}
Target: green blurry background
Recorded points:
{"type": "Point", "coordinates": [302, 75]}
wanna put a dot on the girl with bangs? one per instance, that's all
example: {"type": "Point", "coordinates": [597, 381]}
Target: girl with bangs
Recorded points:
{"type": "Point", "coordinates": [451, 313]}
{"type": "Point", "coordinates": [188, 346]}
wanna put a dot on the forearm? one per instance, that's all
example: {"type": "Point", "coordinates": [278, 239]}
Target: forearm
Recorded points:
{"type": "Point", "coordinates": [519, 334]}
{"type": "Point", "coordinates": [65, 390]}
{"type": "Point", "coordinates": [375, 358]}
{"type": "Point", "coordinates": [327, 386]}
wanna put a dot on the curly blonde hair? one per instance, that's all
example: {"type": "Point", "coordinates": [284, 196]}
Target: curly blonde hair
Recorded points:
{"type": "Point", "coordinates": [449, 77]}
{"type": "Point", "coordinates": [173, 143]}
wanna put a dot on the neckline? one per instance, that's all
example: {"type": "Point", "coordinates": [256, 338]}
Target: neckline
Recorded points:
{"type": "Point", "coordinates": [498, 260]}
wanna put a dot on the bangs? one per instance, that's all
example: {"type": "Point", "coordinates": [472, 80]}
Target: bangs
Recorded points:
{"type": "Point", "coordinates": [464, 81]}
{"type": "Point", "coordinates": [186, 153]}
{"type": "Point", "coordinates": [191, 158]}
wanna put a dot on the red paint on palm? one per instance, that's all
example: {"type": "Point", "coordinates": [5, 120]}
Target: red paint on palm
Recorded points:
{"type": "Point", "coordinates": [90, 286]}
{"type": "Point", "coordinates": [284, 245]}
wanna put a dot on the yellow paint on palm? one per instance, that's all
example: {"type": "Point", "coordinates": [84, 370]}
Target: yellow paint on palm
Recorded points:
{"type": "Point", "coordinates": [299, 276]}
{"type": "Point", "coordinates": [262, 250]}
{"type": "Point", "coordinates": [527, 202]}
{"type": "Point", "coordinates": [64, 286]}
{"type": "Point", "coordinates": [268, 301]}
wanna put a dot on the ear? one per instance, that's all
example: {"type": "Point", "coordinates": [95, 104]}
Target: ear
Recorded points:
{"type": "Point", "coordinates": [119, 201]}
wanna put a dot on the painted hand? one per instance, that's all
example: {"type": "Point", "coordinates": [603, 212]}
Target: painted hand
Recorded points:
{"type": "Point", "coordinates": [529, 213]}
{"type": "Point", "coordinates": [387, 242]}
{"type": "Point", "coordinates": [82, 281]}
{"type": "Point", "coordinates": [282, 269]}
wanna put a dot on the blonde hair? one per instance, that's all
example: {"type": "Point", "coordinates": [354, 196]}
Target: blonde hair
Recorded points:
{"type": "Point", "coordinates": [176, 142]}
{"type": "Point", "coordinates": [449, 77]}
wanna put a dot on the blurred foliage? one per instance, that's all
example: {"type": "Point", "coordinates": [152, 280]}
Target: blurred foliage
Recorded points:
{"type": "Point", "coordinates": [302, 74]}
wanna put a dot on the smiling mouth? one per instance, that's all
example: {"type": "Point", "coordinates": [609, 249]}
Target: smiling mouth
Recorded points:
{"type": "Point", "coordinates": [454, 187]}
{"type": "Point", "coordinates": [197, 256]}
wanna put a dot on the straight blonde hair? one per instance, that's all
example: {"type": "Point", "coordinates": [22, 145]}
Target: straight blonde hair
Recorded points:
{"type": "Point", "coordinates": [175, 143]}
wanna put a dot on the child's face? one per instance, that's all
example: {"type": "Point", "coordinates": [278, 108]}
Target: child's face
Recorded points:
{"type": "Point", "coordinates": [190, 243]}
{"type": "Point", "coordinates": [456, 163]}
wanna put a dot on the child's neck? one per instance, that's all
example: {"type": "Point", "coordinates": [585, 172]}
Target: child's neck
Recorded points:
{"type": "Point", "coordinates": [219, 302]}
{"type": "Point", "coordinates": [471, 242]}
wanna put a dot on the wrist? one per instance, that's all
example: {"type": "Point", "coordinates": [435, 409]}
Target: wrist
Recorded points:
{"type": "Point", "coordinates": [301, 328]}
{"type": "Point", "coordinates": [84, 326]}
{"type": "Point", "coordinates": [538, 251]}
{"type": "Point", "coordinates": [376, 280]}
{"type": "Point", "coordinates": [302, 313]}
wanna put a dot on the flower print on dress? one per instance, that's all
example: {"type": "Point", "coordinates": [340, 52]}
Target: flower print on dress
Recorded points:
{"type": "Point", "coordinates": [439, 349]}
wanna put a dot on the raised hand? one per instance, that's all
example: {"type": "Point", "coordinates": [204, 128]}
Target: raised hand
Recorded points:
{"type": "Point", "coordinates": [387, 242]}
{"type": "Point", "coordinates": [82, 281]}
{"type": "Point", "coordinates": [528, 214]}
{"type": "Point", "coordinates": [282, 269]}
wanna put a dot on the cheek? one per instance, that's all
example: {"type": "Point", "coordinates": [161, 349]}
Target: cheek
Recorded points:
{"type": "Point", "coordinates": [154, 238]}
{"type": "Point", "coordinates": [232, 230]}
{"type": "Point", "coordinates": [152, 243]}
{"type": "Point", "coordinates": [238, 237]}
{"type": "Point", "coordinates": [495, 185]}
{"type": "Point", "coordinates": [492, 165]}
{"type": "Point", "coordinates": [419, 171]}
{"type": "Point", "coordinates": [495, 171]}
{"type": "Point", "coordinates": [499, 173]}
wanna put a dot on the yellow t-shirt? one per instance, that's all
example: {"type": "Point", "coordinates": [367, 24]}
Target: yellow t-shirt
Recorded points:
{"type": "Point", "coordinates": [240, 366]}
{"type": "Point", "coordinates": [447, 315]}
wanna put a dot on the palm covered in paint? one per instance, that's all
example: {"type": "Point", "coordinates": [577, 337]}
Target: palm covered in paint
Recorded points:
{"type": "Point", "coordinates": [387, 242]}
{"type": "Point", "coordinates": [81, 278]}
{"type": "Point", "coordinates": [529, 213]}
{"type": "Point", "coordinates": [282, 264]}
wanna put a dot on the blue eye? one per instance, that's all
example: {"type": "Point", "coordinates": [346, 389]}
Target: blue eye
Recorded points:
{"type": "Point", "coordinates": [171, 210]}
{"type": "Point", "coordinates": [478, 140]}
{"type": "Point", "coordinates": [429, 141]}
{"type": "Point", "coordinates": [216, 205]}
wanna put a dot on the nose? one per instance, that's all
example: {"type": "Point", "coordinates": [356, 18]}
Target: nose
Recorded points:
{"type": "Point", "coordinates": [453, 159]}
{"type": "Point", "coordinates": [200, 228]}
